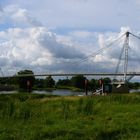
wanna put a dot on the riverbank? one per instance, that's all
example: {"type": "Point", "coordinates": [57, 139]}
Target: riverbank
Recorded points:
{"type": "Point", "coordinates": [39, 116]}
{"type": "Point", "coordinates": [60, 87]}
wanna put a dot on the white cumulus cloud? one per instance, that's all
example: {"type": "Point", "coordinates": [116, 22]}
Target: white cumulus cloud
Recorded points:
{"type": "Point", "coordinates": [28, 44]}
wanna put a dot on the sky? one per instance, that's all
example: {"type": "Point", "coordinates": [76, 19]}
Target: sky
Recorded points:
{"type": "Point", "coordinates": [54, 36]}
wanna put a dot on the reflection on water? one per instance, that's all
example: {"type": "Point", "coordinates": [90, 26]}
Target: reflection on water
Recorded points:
{"type": "Point", "coordinates": [70, 92]}
{"type": "Point", "coordinates": [53, 92]}
{"type": "Point", "coordinates": [61, 92]}
{"type": "Point", "coordinates": [8, 92]}
{"type": "Point", "coordinates": [134, 90]}
{"type": "Point", "coordinates": [58, 92]}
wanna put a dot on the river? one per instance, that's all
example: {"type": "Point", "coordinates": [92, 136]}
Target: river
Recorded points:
{"type": "Point", "coordinates": [61, 92]}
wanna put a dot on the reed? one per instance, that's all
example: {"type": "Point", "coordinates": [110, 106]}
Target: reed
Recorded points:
{"type": "Point", "coordinates": [33, 117]}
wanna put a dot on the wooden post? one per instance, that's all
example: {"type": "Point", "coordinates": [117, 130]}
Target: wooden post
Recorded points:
{"type": "Point", "coordinates": [86, 87]}
{"type": "Point", "coordinates": [29, 86]}
{"type": "Point", "coordinates": [101, 85]}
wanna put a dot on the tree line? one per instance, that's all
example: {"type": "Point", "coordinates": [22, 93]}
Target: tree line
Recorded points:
{"type": "Point", "coordinates": [25, 83]}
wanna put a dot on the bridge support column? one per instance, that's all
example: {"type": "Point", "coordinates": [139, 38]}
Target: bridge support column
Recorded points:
{"type": "Point", "coordinates": [86, 87]}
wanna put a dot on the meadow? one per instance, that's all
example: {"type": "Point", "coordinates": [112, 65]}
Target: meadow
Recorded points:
{"type": "Point", "coordinates": [45, 117]}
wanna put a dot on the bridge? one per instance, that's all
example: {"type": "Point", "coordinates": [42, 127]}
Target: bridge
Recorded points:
{"type": "Point", "coordinates": [123, 56]}
{"type": "Point", "coordinates": [75, 74]}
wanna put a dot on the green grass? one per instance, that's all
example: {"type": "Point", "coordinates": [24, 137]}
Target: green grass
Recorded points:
{"type": "Point", "coordinates": [42, 117]}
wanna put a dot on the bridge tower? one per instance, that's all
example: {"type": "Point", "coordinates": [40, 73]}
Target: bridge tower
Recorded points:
{"type": "Point", "coordinates": [124, 56]}
{"type": "Point", "coordinates": [126, 47]}
{"type": "Point", "coordinates": [122, 87]}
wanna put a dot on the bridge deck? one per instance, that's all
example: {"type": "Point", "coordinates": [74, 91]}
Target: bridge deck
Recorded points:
{"type": "Point", "coordinates": [74, 74]}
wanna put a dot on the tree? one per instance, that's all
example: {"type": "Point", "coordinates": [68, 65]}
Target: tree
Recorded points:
{"type": "Point", "coordinates": [93, 84]}
{"type": "Point", "coordinates": [39, 83]}
{"type": "Point", "coordinates": [107, 80]}
{"type": "Point", "coordinates": [26, 82]}
{"type": "Point", "coordinates": [50, 83]}
{"type": "Point", "coordinates": [78, 81]}
{"type": "Point", "coordinates": [63, 82]}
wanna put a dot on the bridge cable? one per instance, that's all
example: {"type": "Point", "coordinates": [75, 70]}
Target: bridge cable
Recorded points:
{"type": "Point", "coordinates": [135, 35]}
{"type": "Point", "coordinates": [119, 61]}
{"type": "Point", "coordinates": [138, 37]}
{"type": "Point", "coordinates": [1, 72]}
{"type": "Point", "coordinates": [99, 51]}
{"type": "Point", "coordinates": [122, 54]}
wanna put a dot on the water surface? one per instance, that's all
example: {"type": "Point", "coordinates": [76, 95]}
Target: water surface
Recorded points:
{"type": "Point", "coordinates": [61, 92]}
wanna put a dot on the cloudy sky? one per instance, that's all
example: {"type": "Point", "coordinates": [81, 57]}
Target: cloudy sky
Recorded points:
{"type": "Point", "coordinates": [56, 36]}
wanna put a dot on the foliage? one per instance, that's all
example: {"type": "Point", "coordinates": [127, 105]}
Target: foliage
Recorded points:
{"type": "Point", "coordinates": [23, 80]}
{"type": "Point", "coordinates": [39, 83]}
{"type": "Point", "coordinates": [134, 85]}
{"type": "Point", "coordinates": [50, 83]}
{"type": "Point", "coordinates": [63, 82]}
{"type": "Point", "coordinates": [93, 84]}
{"type": "Point", "coordinates": [107, 80]}
{"type": "Point", "coordinates": [32, 116]}
{"type": "Point", "coordinates": [8, 83]}
{"type": "Point", "coordinates": [65, 109]}
{"type": "Point", "coordinates": [78, 81]}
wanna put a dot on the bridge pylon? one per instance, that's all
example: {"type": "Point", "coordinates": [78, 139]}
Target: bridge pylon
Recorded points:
{"type": "Point", "coordinates": [122, 87]}
{"type": "Point", "coordinates": [124, 56]}
{"type": "Point", "coordinates": [126, 47]}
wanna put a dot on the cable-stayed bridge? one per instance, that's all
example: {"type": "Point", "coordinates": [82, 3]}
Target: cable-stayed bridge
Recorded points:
{"type": "Point", "coordinates": [74, 74]}
{"type": "Point", "coordinates": [123, 57]}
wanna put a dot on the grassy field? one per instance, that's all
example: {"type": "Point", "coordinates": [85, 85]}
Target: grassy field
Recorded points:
{"type": "Point", "coordinates": [42, 117]}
